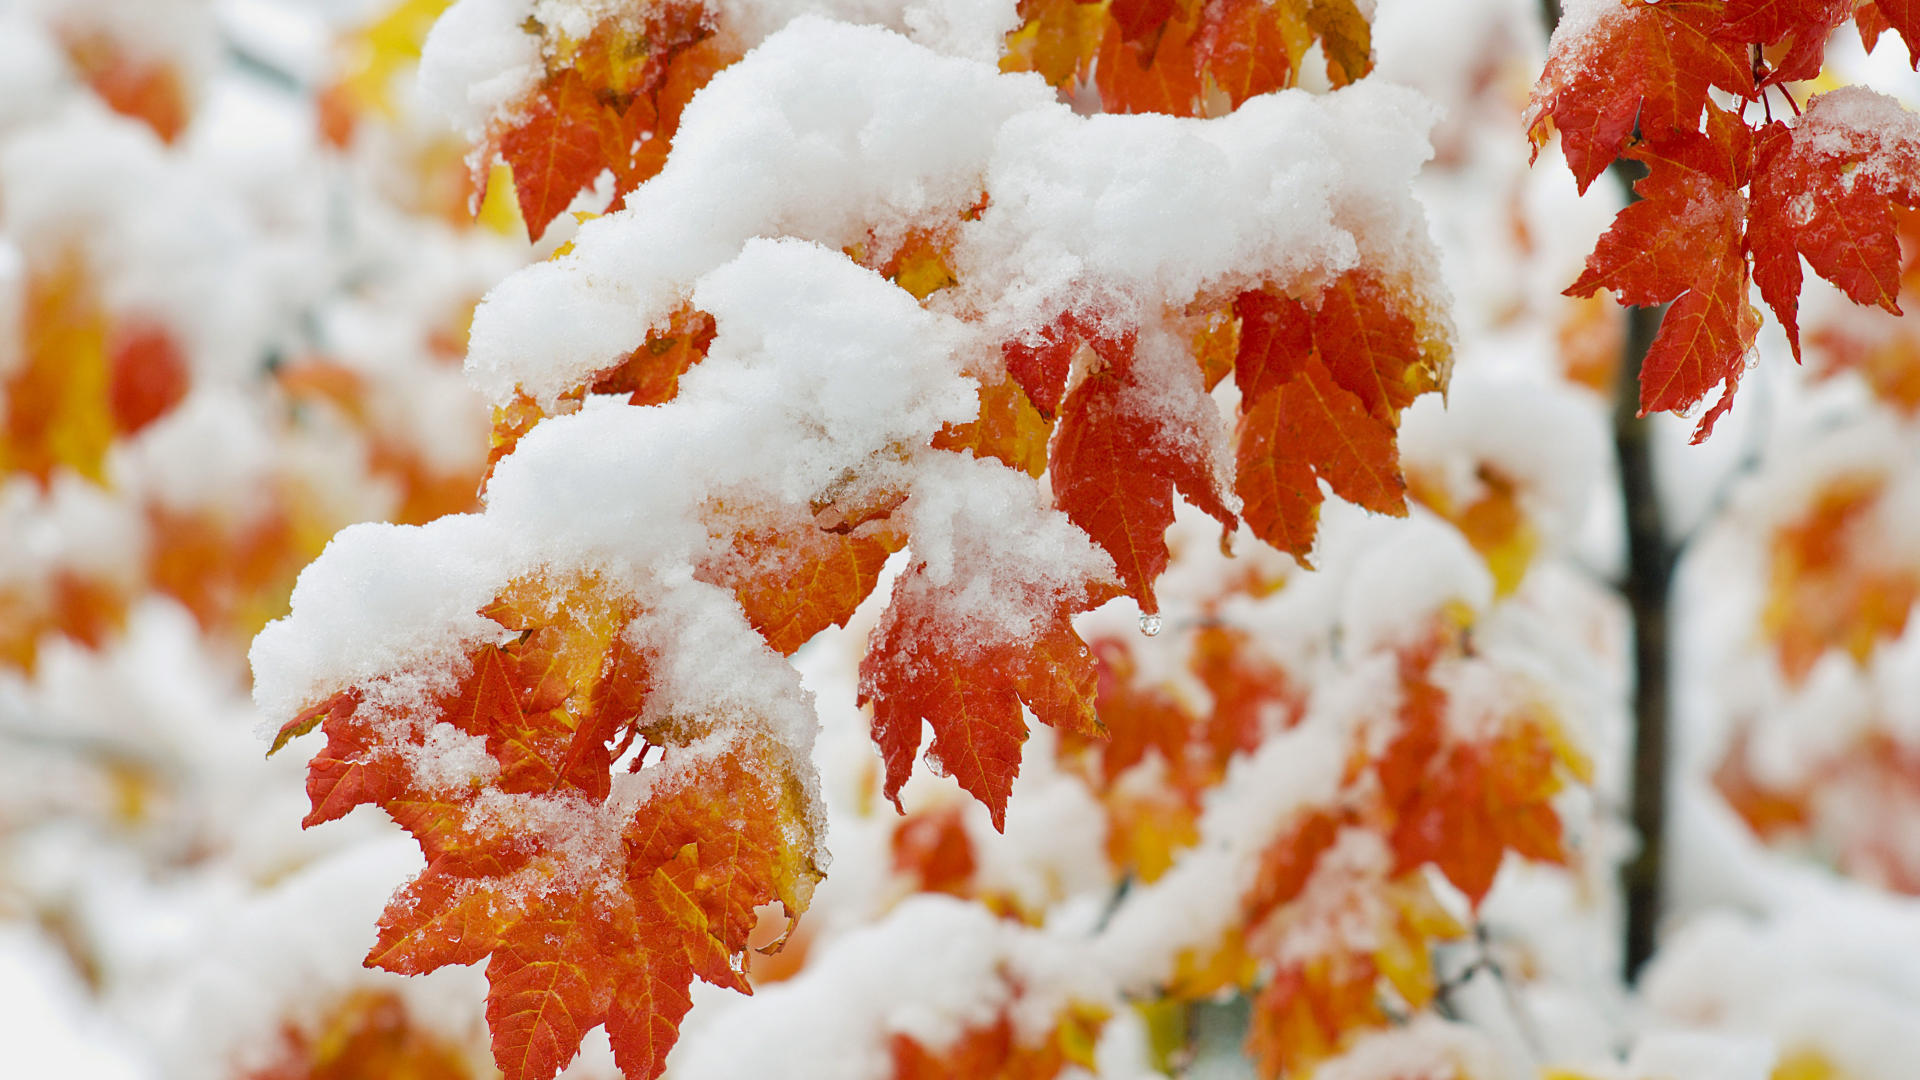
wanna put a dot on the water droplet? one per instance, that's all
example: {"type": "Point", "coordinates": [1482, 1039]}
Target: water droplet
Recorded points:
{"type": "Point", "coordinates": [1150, 624]}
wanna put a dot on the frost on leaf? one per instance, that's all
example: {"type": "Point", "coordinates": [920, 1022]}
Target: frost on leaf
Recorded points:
{"type": "Point", "coordinates": [593, 899]}
{"type": "Point", "coordinates": [1644, 66]}
{"type": "Point", "coordinates": [1729, 201]}
{"type": "Point", "coordinates": [608, 102]}
{"type": "Point", "coordinates": [924, 664]}
{"type": "Point", "coordinates": [1825, 190]}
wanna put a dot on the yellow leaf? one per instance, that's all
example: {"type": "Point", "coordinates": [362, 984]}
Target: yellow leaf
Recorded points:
{"type": "Point", "coordinates": [57, 411]}
{"type": "Point", "coordinates": [385, 47]}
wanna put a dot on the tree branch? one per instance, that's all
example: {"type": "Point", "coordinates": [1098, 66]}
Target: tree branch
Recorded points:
{"type": "Point", "coordinates": [1646, 588]}
{"type": "Point", "coordinates": [1649, 575]}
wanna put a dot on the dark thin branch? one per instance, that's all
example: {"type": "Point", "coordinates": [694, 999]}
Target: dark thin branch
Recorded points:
{"type": "Point", "coordinates": [1649, 575]}
{"type": "Point", "coordinates": [1646, 589]}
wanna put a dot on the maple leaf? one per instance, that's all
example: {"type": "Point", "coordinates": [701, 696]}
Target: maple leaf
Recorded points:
{"type": "Point", "coordinates": [1461, 803]}
{"type": "Point", "coordinates": [1009, 429]}
{"type": "Point", "coordinates": [1766, 808]}
{"type": "Point", "coordinates": [794, 581]}
{"type": "Point", "coordinates": [1649, 65]}
{"type": "Point", "coordinates": [996, 1050]}
{"type": "Point", "coordinates": [368, 1033]}
{"type": "Point", "coordinates": [556, 147]}
{"type": "Point", "coordinates": [1798, 28]}
{"type": "Point", "coordinates": [146, 88]}
{"type": "Point", "coordinates": [1322, 391]}
{"type": "Point", "coordinates": [921, 665]}
{"type": "Point", "coordinates": [1880, 349]}
{"type": "Point", "coordinates": [588, 908]}
{"type": "Point", "coordinates": [1644, 259]}
{"type": "Point", "coordinates": [1116, 463]}
{"type": "Point", "coordinates": [1160, 757]}
{"type": "Point", "coordinates": [1203, 59]}
{"type": "Point", "coordinates": [1901, 16]}
{"type": "Point", "coordinates": [1057, 39]}
{"type": "Point", "coordinates": [1144, 772]}
{"type": "Point", "coordinates": [610, 101]}
{"type": "Point", "coordinates": [1344, 36]}
{"type": "Point", "coordinates": [1041, 361]}
{"type": "Point", "coordinates": [1139, 719]}
{"type": "Point", "coordinates": [1306, 1013]}
{"type": "Point", "coordinates": [933, 847]}
{"type": "Point", "coordinates": [1252, 695]}
{"type": "Point", "coordinates": [235, 573]}
{"type": "Point", "coordinates": [55, 402]}
{"type": "Point", "coordinates": [1150, 74]}
{"type": "Point", "coordinates": [1824, 190]}
{"type": "Point", "coordinates": [650, 375]}
{"type": "Point", "coordinates": [1494, 521]}
{"type": "Point", "coordinates": [1831, 586]}
{"type": "Point", "coordinates": [1337, 928]}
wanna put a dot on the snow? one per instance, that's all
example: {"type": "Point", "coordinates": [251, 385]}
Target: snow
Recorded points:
{"type": "Point", "coordinates": [365, 611]}
{"type": "Point", "coordinates": [1401, 586]}
{"type": "Point", "coordinates": [772, 146]}
{"type": "Point", "coordinates": [1854, 122]}
{"type": "Point", "coordinates": [46, 1021]}
{"type": "Point", "coordinates": [931, 970]}
{"type": "Point", "coordinates": [1104, 213]}
{"type": "Point", "coordinates": [1292, 772]}
{"type": "Point", "coordinates": [211, 922]}
{"type": "Point", "coordinates": [477, 61]}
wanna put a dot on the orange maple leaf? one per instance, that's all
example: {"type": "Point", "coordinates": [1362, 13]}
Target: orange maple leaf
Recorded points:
{"type": "Point", "coordinates": [796, 579]}
{"type": "Point", "coordinates": [589, 911]}
{"type": "Point", "coordinates": [56, 411]}
{"type": "Point", "coordinates": [932, 847]}
{"type": "Point", "coordinates": [610, 102]}
{"type": "Point", "coordinates": [1832, 586]}
{"type": "Point", "coordinates": [920, 665]}
{"type": "Point", "coordinates": [556, 147]}
{"type": "Point", "coordinates": [1116, 464]}
{"type": "Point", "coordinates": [1462, 803]}
{"type": "Point", "coordinates": [366, 1034]}
{"type": "Point", "coordinates": [1321, 393]}
{"type": "Point", "coordinates": [995, 1051]}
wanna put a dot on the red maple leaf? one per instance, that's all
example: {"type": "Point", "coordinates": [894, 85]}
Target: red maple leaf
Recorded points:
{"type": "Point", "coordinates": [969, 684]}
{"type": "Point", "coordinates": [1800, 29]}
{"type": "Point", "coordinates": [1646, 258]}
{"type": "Point", "coordinates": [1824, 190]}
{"type": "Point", "coordinates": [1649, 65]}
{"type": "Point", "coordinates": [1116, 463]}
{"type": "Point", "coordinates": [1902, 16]}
